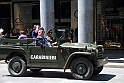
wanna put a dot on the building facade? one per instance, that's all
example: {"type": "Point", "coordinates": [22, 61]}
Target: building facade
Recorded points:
{"type": "Point", "coordinates": [99, 21]}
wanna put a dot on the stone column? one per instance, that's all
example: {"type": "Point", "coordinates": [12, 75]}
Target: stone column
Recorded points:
{"type": "Point", "coordinates": [74, 16]}
{"type": "Point", "coordinates": [47, 14]}
{"type": "Point", "coordinates": [85, 21]}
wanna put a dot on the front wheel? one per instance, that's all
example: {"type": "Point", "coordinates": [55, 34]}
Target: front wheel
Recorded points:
{"type": "Point", "coordinates": [97, 70]}
{"type": "Point", "coordinates": [17, 66]}
{"type": "Point", "coordinates": [81, 68]}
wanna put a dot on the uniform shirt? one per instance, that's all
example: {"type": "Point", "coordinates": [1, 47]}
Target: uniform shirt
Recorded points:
{"type": "Point", "coordinates": [42, 41]}
{"type": "Point", "coordinates": [34, 34]}
{"type": "Point", "coordinates": [1, 37]}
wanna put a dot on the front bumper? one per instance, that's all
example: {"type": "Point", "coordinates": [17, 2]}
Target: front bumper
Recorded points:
{"type": "Point", "coordinates": [102, 62]}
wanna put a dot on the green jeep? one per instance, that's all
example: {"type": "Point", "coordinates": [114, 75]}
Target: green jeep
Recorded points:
{"type": "Point", "coordinates": [83, 59]}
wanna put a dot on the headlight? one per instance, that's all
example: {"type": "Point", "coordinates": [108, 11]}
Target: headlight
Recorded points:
{"type": "Point", "coordinates": [102, 50]}
{"type": "Point", "coordinates": [97, 51]}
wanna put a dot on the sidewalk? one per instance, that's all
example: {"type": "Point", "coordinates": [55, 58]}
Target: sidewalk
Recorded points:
{"type": "Point", "coordinates": [115, 63]}
{"type": "Point", "coordinates": [2, 61]}
{"type": "Point", "coordinates": [115, 58]}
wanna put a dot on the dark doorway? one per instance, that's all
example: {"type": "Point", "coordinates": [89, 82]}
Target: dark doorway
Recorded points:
{"type": "Point", "coordinates": [5, 17]}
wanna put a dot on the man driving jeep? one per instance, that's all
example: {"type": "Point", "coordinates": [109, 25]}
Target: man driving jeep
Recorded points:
{"type": "Point", "coordinates": [41, 40]}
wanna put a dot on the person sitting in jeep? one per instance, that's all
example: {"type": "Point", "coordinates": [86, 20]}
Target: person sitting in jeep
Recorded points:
{"type": "Point", "coordinates": [41, 40]}
{"type": "Point", "coordinates": [50, 38]}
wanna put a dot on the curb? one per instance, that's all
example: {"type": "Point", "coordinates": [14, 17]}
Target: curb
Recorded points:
{"type": "Point", "coordinates": [114, 65]}
{"type": "Point", "coordinates": [2, 62]}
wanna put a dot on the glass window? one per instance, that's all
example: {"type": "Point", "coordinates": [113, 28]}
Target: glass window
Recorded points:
{"type": "Point", "coordinates": [110, 23]}
{"type": "Point", "coordinates": [62, 9]}
{"type": "Point", "coordinates": [5, 11]}
{"type": "Point", "coordinates": [35, 11]}
{"type": "Point", "coordinates": [5, 17]}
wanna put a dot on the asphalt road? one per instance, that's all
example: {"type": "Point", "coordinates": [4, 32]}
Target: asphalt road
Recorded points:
{"type": "Point", "coordinates": [108, 75]}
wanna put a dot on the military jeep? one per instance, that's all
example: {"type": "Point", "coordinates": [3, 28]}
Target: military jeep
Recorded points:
{"type": "Point", "coordinates": [83, 59]}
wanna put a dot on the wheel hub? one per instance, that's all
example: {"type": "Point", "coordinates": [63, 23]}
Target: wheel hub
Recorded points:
{"type": "Point", "coordinates": [81, 69]}
{"type": "Point", "coordinates": [16, 66]}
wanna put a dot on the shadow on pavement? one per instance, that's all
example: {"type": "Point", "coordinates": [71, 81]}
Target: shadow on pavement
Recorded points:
{"type": "Point", "coordinates": [102, 77]}
{"type": "Point", "coordinates": [50, 74]}
{"type": "Point", "coordinates": [116, 61]}
{"type": "Point", "coordinates": [66, 75]}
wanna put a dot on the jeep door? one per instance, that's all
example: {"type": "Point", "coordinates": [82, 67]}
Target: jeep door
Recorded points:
{"type": "Point", "coordinates": [43, 57]}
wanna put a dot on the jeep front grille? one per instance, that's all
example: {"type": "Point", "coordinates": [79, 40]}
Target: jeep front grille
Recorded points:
{"type": "Point", "coordinates": [100, 56]}
{"type": "Point", "coordinates": [100, 52]}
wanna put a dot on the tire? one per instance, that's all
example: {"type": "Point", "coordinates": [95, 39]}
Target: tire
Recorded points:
{"type": "Point", "coordinates": [17, 66]}
{"type": "Point", "coordinates": [35, 70]}
{"type": "Point", "coordinates": [81, 68]}
{"type": "Point", "coordinates": [97, 70]}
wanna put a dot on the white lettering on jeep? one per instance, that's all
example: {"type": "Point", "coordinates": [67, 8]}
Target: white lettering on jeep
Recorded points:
{"type": "Point", "coordinates": [47, 57]}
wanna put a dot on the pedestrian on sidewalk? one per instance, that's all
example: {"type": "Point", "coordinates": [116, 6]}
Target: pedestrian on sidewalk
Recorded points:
{"type": "Point", "coordinates": [1, 35]}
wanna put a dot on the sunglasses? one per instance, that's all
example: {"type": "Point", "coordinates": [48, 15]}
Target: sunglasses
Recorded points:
{"type": "Point", "coordinates": [50, 32]}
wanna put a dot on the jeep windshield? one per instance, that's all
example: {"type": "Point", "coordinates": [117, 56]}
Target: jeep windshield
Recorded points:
{"type": "Point", "coordinates": [62, 34]}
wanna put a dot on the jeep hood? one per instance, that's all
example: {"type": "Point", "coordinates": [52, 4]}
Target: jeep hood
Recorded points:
{"type": "Point", "coordinates": [77, 45]}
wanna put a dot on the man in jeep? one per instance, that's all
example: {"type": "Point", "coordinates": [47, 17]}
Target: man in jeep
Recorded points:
{"type": "Point", "coordinates": [41, 40]}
